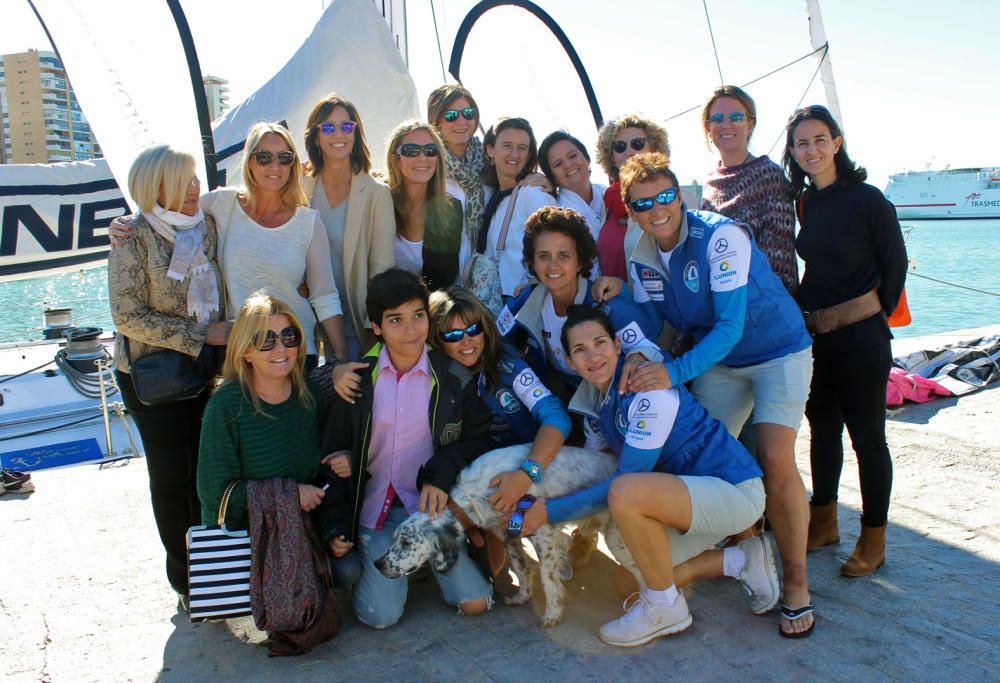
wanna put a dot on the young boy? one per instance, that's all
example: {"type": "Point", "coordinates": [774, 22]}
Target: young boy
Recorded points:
{"type": "Point", "coordinates": [415, 424]}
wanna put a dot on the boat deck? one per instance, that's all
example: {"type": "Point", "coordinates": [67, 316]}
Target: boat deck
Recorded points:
{"type": "Point", "coordinates": [83, 598]}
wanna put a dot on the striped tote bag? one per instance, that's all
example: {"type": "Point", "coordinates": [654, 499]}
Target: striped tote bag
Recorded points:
{"type": "Point", "coordinates": [219, 568]}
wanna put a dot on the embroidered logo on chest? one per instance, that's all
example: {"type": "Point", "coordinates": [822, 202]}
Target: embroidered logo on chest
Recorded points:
{"type": "Point", "coordinates": [691, 276]}
{"type": "Point", "coordinates": [621, 422]}
{"type": "Point", "coordinates": [508, 401]}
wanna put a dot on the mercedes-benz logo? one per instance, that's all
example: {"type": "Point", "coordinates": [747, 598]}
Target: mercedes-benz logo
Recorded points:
{"type": "Point", "coordinates": [526, 379]}
{"type": "Point", "coordinates": [721, 245]}
{"type": "Point", "coordinates": [643, 405]}
{"type": "Point", "coordinates": [629, 336]}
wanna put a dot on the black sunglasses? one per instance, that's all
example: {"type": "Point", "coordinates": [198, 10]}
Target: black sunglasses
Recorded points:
{"type": "Point", "coordinates": [452, 336]}
{"type": "Point", "coordinates": [451, 115]}
{"type": "Point", "coordinates": [264, 157]}
{"type": "Point", "coordinates": [638, 144]}
{"type": "Point", "coordinates": [412, 149]}
{"type": "Point", "coordinates": [289, 337]}
{"type": "Point", "coordinates": [516, 522]}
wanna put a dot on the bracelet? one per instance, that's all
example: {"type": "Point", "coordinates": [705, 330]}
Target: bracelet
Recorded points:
{"type": "Point", "coordinates": [532, 469]}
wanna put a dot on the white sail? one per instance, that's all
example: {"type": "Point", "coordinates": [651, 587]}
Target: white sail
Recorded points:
{"type": "Point", "coordinates": [352, 52]}
{"type": "Point", "coordinates": [817, 34]}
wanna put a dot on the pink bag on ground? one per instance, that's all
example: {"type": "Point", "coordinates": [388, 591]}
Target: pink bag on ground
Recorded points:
{"type": "Point", "coordinates": [909, 387]}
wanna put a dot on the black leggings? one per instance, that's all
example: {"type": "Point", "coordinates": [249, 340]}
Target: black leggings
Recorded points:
{"type": "Point", "coordinates": [170, 435]}
{"type": "Point", "coordinates": [848, 387]}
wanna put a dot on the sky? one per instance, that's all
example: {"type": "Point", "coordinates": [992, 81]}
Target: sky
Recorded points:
{"type": "Point", "coordinates": [917, 79]}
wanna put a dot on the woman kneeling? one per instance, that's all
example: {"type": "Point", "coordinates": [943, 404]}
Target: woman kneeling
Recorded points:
{"type": "Point", "coordinates": [683, 484]}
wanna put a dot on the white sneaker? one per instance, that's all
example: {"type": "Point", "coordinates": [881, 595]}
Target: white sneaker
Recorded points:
{"type": "Point", "coordinates": [760, 575]}
{"type": "Point", "coordinates": [644, 621]}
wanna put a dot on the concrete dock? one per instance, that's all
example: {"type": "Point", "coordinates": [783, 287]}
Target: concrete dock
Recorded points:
{"type": "Point", "coordinates": [83, 595]}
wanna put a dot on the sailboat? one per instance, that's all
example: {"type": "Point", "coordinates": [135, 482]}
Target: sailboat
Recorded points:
{"type": "Point", "coordinates": [367, 50]}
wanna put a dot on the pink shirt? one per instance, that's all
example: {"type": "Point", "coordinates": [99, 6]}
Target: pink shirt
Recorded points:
{"type": "Point", "coordinates": [401, 438]}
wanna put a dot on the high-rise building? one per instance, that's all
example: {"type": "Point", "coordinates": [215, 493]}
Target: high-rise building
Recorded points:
{"type": "Point", "coordinates": [217, 92]}
{"type": "Point", "coordinates": [42, 121]}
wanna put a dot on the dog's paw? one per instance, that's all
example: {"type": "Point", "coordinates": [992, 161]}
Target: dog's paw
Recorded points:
{"type": "Point", "coordinates": [519, 598]}
{"type": "Point", "coordinates": [551, 618]}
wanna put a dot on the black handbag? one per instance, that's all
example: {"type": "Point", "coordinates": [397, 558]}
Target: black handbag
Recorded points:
{"type": "Point", "coordinates": [165, 376]}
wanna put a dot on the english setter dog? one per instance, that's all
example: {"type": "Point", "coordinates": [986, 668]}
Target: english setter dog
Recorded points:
{"type": "Point", "coordinates": [420, 539]}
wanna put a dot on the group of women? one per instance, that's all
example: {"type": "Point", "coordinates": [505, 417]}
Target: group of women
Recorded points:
{"type": "Point", "coordinates": [289, 255]}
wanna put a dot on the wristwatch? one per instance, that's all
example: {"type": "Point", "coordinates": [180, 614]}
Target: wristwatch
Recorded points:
{"type": "Point", "coordinates": [533, 470]}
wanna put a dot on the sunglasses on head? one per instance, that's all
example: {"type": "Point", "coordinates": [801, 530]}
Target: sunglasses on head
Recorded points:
{"type": "Point", "coordinates": [646, 203]}
{"type": "Point", "coordinates": [289, 337]}
{"type": "Point", "coordinates": [451, 115]}
{"type": "Point", "coordinates": [329, 128]}
{"type": "Point", "coordinates": [264, 157]}
{"type": "Point", "coordinates": [638, 144]}
{"type": "Point", "coordinates": [452, 336]}
{"type": "Point", "coordinates": [734, 117]}
{"type": "Point", "coordinates": [412, 149]}
{"type": "Point", "coordinates": [516, 522]}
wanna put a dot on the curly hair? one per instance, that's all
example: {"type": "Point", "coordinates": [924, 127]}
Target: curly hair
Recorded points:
{"type": "Point", "coordinates": [643, 168]}
{"type": "Point", "coordinates": [656, 140]}
{"type": "Point", "coordinates": [564, 221]}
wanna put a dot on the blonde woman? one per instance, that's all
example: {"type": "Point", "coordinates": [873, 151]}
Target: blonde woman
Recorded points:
{"type": "Point", "coordinates": [165, 288]}
{"type": "Point", "coordinates": [430, 241]}
{"type": "Point", "coordinates": [356, 209]}
{"type": "Point", "coordinates": [617, 142]}
{"type": "Point", "coordinates": [265, 419]}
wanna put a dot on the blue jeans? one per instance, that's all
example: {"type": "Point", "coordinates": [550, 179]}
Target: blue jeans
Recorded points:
{"type": "Point", "coordinates": [378, 601]}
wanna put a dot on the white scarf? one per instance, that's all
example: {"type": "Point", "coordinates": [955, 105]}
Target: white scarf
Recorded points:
{"type": "Point", "coordinates": [188, 260]}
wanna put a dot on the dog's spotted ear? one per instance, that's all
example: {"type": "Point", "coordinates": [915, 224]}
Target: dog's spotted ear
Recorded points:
{"type": "Point", "coordinates": [446, 552]}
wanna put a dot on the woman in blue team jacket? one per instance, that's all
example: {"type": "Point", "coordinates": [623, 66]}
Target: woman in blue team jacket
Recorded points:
{"type": "Point", "coordinates": [682, 485]}
{"type": "Point", "coordinates": [560, 252]}
{"type": "Point", "coordinates": [706, 277]}
{"type": "Point", "coordinates": [525, 410]}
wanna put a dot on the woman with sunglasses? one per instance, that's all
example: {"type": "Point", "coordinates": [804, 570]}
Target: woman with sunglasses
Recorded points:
{"type": "Point", "coordinates": [356, 209]}
{"type": "Point", "coordinates": [682, 486]}
{"type": "Point", "coordinates": [166, 289]}
{"type": "Point", "coordinates": [269, 237]}
{"type": "Point", "coordinates": [705, 276]}
{"type": "Point", "coordinates": [751, 190]}
{"type": "Point", "coordinates": [855, 268]}
{"type": "Point", "coordinates": [524, 409]}
{"type": "Point", "coordinates": [429, 235]}
{"type": "Point", "coordinates": [617, 142]}
{"type": "Point", "coordinates": [511, 154]}
{"type": "Point", "coordinates": [566, 163]}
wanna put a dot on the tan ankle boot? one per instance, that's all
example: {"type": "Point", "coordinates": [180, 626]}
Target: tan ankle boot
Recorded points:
{"type": "Point", "coordinates": [869, 553]}
{"type": "Point", "coordinates": [823, 528]}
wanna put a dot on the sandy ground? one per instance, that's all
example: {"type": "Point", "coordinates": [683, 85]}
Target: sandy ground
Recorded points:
{"type": "Point", "coordinates": [83, 596]}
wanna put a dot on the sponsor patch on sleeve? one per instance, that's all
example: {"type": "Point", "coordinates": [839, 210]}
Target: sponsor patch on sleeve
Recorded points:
{"type": "Point", "coordinates": [728, 258]}
{"type": "Point", "coordinates": [650, 418]}
{"type": "Point", "coordinates": [505, 321]}
{"type": "Point", "coordinates": [529, 389]}
{"type": "Point", "coordinates": [630, 335]}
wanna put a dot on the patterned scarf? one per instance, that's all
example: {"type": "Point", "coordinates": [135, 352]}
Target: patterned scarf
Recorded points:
{"type": "Point", "coordinates": [188, 260]}
{"type": "Point", "coordinates": [468, 173]}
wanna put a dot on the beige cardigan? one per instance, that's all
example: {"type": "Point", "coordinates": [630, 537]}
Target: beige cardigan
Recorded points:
{"type": "Point", "coordinates": [368, 239]}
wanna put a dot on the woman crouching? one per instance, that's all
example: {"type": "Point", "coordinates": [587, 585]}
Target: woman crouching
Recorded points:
{"type": "Point", "coordinates": [683, 484]}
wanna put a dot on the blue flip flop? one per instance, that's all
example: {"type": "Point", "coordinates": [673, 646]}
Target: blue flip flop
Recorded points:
{"type": "Point", "coordinates": [794, 614]}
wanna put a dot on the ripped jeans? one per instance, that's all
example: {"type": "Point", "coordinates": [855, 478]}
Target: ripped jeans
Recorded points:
{"type": "Point", "coordinates": [378, 601]}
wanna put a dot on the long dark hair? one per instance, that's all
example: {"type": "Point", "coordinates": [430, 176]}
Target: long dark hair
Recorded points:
{"type": "Point", "coordinates": [361, 158]}
{"type": "Point", "coordinates": [848, 172]}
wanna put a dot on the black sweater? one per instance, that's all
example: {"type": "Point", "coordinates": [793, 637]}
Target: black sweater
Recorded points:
{"type": "Point", "coordinates": [851, 242]}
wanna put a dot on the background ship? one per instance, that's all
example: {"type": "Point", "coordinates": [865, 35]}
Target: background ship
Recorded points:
{"type": "Point", "coordinates": [948, 194]}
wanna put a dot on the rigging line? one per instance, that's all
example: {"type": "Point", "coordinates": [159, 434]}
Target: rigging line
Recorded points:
{"type": "Point", "coordinates": [759, 78]}
{"type": "Point", "coordinates": [437, 37]}
{"type": "Point", "coordinates": [945, 282]}
{"type": "Point", "coordinates": [22, 374]}
{"type": "Point", "coordinates": [801, 99]}
{"type": "Point", "coordinates": [711, 33]}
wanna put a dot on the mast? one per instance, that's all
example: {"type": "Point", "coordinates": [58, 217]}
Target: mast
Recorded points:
{"type": "Point", "coordinates": [817, 35]}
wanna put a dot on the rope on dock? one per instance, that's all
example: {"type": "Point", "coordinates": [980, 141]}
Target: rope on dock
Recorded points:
{"type": "Point", "coordinates": [952, 284]}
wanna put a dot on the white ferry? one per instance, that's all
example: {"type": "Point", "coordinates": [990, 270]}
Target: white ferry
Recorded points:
{"type": "Point", "coordinates": [951, 193]}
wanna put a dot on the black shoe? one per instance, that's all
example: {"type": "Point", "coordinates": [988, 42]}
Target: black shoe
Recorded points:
{"type": "Point", "coordinates": [17, 482]}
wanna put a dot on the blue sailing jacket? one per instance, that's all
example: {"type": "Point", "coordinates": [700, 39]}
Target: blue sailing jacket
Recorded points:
{"type": "Point", "coordinates": [636, 328]}
{"type": "Point", "coordinates": [520, 399]}
{"type": "Point", "coordinates": [651, 431]}
{"type": "Point", "coordinates": [731, 323]}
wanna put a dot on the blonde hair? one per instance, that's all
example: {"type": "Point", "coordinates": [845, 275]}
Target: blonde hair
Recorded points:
{"type": "Point", "coordinates": [644, 168]}
{"type": "Point", "coordinates": [250, 326]}
{"type": "Point", "coordinates": [436, 194]}
{"type": "Point", "coordinates": [738, 94]}
{"type": "Point", "coordinates": [443, 96]}
{"type": "Point", "coordinates": [160, 168]}
{"type": "Point", "coordinates": [656, 140]}
{"type": "Point", "coordinates": [292, 194]}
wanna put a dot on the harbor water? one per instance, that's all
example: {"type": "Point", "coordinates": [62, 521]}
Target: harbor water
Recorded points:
{"type": "Point", "coordinates": [956, 254]}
